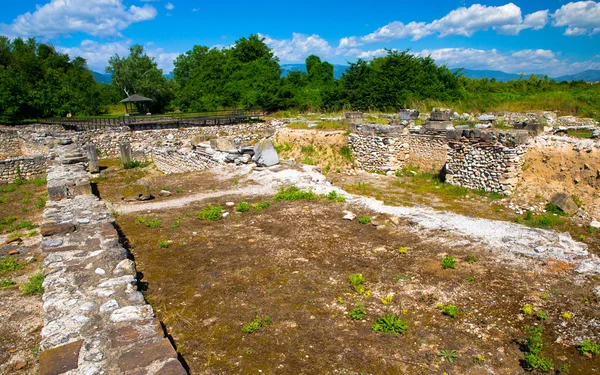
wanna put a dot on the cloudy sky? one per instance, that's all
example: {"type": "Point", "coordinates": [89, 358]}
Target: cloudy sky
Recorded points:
{"type": "Point", "coordinates": [547, 37]}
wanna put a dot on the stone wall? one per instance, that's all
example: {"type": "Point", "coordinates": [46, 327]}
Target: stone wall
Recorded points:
{"type": "Point", "coordinates": [175, 161]}
{"type": "Point", "coordinates": [25, 167]}
{"type": "Point", "coordinates": [10, 143]}
{"type": "Point", "coordinates": [95, 319]}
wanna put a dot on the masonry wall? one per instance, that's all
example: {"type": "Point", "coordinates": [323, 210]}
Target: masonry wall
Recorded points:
{"type": "Point", "coordinates": [10, 143]}
{"type": "Point", "coordinates": [25, 167]}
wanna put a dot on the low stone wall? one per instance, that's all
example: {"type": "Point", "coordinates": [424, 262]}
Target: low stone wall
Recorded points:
{"type": "Point", "coordinates": [95, 319]}
{"type": "Point", "coordinates": [10, 143]}
{"type": "Point", "coordinates": [25, 167]}
{"type": "Point", "coordinates": [173, 161]}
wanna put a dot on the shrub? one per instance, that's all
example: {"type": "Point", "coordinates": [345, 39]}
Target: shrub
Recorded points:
{"type": "Point", "coordinates": [261, 205]}
{"type": "Point", "coordinates": [163, 244]}
{"type": "Point", "coordinates": [10, 264]}
{"type": "Point", "coordinates": [364, 219]}
{"type": "Point", "coordinates": [210, 213]}
{"type": "Point", "coordinates": [390, 323]}
{"type": "Point", "coordinates": [252, 326]}
{"type": "Point", "coordinates": [292, 193]}
{"type": "Point", "coordinates": [450, 310]}
{"type": "Point", "coordinates": [589, 347]}
{"type": "Point", "coordinates": [358, 312]}
{"type": "Point", "coordinates": [448, 262]}
{"type": "Point", "coordinates": [34, 285]}
{"type": "Point", "coordinates": [243, 207]}
{"type": "Point", "coordinates": [538, 362]}
{"type": "Point", "coordinates": [6, 282]}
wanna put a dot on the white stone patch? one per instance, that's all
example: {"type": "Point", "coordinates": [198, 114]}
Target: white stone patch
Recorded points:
{"type": "Point", "coordinates": [109, 306]}
{"type": "Point", "coordinates": [100, 271]}
{"type": "Point", "coordinates": [132, 313]}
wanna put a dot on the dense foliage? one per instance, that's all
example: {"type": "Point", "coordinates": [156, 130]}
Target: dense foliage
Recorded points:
{"type": "Point", "coordinates": [37, 81]}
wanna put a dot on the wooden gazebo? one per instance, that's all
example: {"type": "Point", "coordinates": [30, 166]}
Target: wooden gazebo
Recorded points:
{"type": "Point", "coordinates": [136, 104]}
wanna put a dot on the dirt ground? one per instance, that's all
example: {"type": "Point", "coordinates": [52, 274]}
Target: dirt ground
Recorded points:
{"type": "Point", "coordinates": [291, 262]}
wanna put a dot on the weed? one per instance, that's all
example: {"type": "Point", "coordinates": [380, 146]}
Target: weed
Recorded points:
{"type": "Point", "coordinates": [235, 181]}
{"type": "Point", "coordinates": [243, 207]}
{"type": "Point", "coordinates": [542, 221]}
{"type": "Point", "coordinates": [140, 220]}
{"type": "Point", "coordinates": [261, 205]}
{"type": "Point", "coordinates": [527, 309]}
{"type": "Point", "coordinates": [448, 262]}
{"type": "Point", "coordinates": [592, 229]}
{"type": "Point", "coordinates": [358, 312]}
{"type": "Point", "coordinates": [402, 250]}
{"type": "Point", "coordinates": [546, 295]}
{"type": "Point", "coordinates": [8, 188]}
{"type": "Point", "coordinates": [387, 300]}
{"type": "Point", "coordinates": [533, 346]}
{"type": "Point", "coordinates": [34, 285]}
{"type": "Point", "coordinates": [470, 278]}
{"type": "Point", "coordinates": [566, 315]}
{"type": "Point", "coordinates": [268, 321]}
{"type": "Point", "coordinates": [364, 219]}
{"type": "Point", "coordinates": [390, 323]}
{"type": "Point", "coordinates": [40, 202]}
{"type": "Point", "coordinates": [285, 146]}
{"type": "Point", "coordinates": [358, 282]}
{"type": "Point", "coordinates": [541, 315]}
{"type": "Point", "coordinates": [589, 347]}
{"type": "Point", "coordinates": [249, 351]}
{"type": "Point", "coordinates": [210, 213]}
{"type": "Point", "coordinates": [293, 193]}
{"type": "Point", "coordinates": [252, 326]}
{"type": "Point", "coordinates": [179, 190]}
{"type": "Point", "coordinates": [15, 235]}
{"type": "Point", "coordinates": [577, 201]}
{"type": "Point", "coordinates": [135, 164]}
{"type": "Point", "coordinates": [6, 282]}
{"type": "Point", "coordinates": [38, 181]}
{"type": "Point", "coordinates": [153, 223]}
{"type": "Point", "coordinates": [10, 264]}
{"type": "Point", "coordinates": [449, 355]}
{"type": "Point", "coordinates": [309, 150]}
{"type": "Point", "coordinates": [538, 362]}
{"type": "Point", "coordinates": [333, 196]}
{"type": "Point", "coordinates": [553, 209]}
{"type": "Point", "coordinates": [25, 200]}
{"type": "Point", "coordinates": [449, 310]}
{"type": "Point", "coordinates": [479, 359]}
{"type": "Point", "coordinates": [582, 237]}
{"type": "Point", "coordinates": [346, 153]}
{"type": "Point", "coordinates": [471, 259]}
{"type": "Point", "coordinates": [176, 223]}
{"type": "Point", "coordinates": [163, 244]}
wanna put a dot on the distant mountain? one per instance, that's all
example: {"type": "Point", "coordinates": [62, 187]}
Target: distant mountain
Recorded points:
{"type": "Point", "coordinates": [586, 75]}
{"type": "Point", "coordinates": [338, 69]}
{"type": "Point", "coordinates": [498, 75]}
{"type": "Point", "coordinates": [102, 78]}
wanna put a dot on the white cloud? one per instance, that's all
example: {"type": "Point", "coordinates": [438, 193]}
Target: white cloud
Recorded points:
{"type": "Point", "coordinates": [299, 47]}
{"type": "Point", "coordinates": [169, 6]}
{"type": "Point", "coordinates": [97, 54]}
{"type": "Point", "coordinates": [398, 30]}
{"type": "Point", "coordinates": [349, 42]}
{"type": "Point", "coordinates": [195, 9]}
{"type": "Point", "coordinates": [535, 21]}
{"type": "Point", "coordinates": [580, 18]}
{"type": "Point", "coordinates": [62, 17]}
{"type": "Point", "coordinates": [372, 54]}
{"type": "Point", "coordinates": [529, 61]}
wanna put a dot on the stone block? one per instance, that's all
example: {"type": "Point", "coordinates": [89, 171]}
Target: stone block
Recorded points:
{"type": "Point", "coordinates": [223, 144]}
{"type": "Point", "coordinates": [144, 353]}
{"type": "Point", "coordinates": [139, 191]}
{"type": "Point", "coordinates": [440, 114]}
{"type": "Point", "coordinates": [57, 191]}
{"type": "Point", "coordinates": [265, 154]}
{"type": "Point", "coordinates": [565, 203]}
{"type": "Point", "coordinates": [409, 114]}
{"type": "Point", "coordinates": [61, 359]}
{"type": "Point", "coordinates": [49, 229]}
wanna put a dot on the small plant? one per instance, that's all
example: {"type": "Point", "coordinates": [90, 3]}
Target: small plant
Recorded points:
{"type": "Point", "coordinates": [470, 278]}
{"type": "Point", "coordinates": [179, 190]}
{"type": "Point", "coordinates": [346, 153]}
{"type": "Point", "coordinates": [589, 347]}
{"type": "Point", "coordinates": [268, 321]}
{"type": "Point", "coordinates": [333, 196]}
{"type": "Point", "coordinates": [358, 282]}
{"type": "Point", "coordinates": [131, 164]}
{"type": "Point", "coordinates": [253, 326]}
{"type": "Point", "coordinates": [387, 300]}
{"type": "Point", "coordinates": [31, 233]}
{"type": "Point", "coordinates": [479, 359]}
{"type": "Point", "coordinates": [527, 309]}
{"type": "Point", "coordinates": [153, 223]}
{"type": "Point", "coordinates": [34, 285]}
{"type": "Point", "coordinates": [293, 193]}
{"type": "Point", "coordinates": [553, 209]}
{"type": "Point", "coordinates": [176, 223]}
{"type": "Point", "coordinates": [163, 244]}
{"type": "Point", "coordinates": [402, 250]}
{"type": "Point", "coordinates": [140, 220]}
{"type": "Point", "coordinates": [566, 315]}
{"type": "Point", "coordinates": [358, 312]}
{"type": "Point", "coordinates": [210, 213]}
{"type": "Point", "coordinates": [243, 207]}
{"type": "Point", "coordinates": [364, 219]}
{"type": "Point", "coordinates": [15, 235]}
{"type": "Point", "coordinates": [471, 259]}
{"type": "Point", "coordinates": [538, 362]}
{"type": "Point", "coordinates": [448, 262]}
{"type": "Point", "coordinates": [10, 264]}
{"type": "Point", "coordinates": [541, 315]}
{"type": "Point", "coordinates": [249, 351]}
{"type": "Point", "coordinates": [449, 310]}
{"type": "Point", "coordinates": [546, 295]}
{"type": "Point", "coordinates": [261, 205]}
{"type": "Point", "coordinates": [390, 323]}
{"type": "Point", "coordinates": [6, 282]}
{"type": "Point", "coordinates": [449, 355]}
{"type": "Point", "coordinates": [533, 347]}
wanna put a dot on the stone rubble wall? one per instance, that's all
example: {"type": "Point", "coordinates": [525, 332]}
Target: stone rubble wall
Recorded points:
{"type": "Point", "coordinates": [95, 319]}
{"type": "Point", "coordinates": [10, 143]}
{"type": "Point", "coordinates": [174, 161]}
{"type": "Point", "coordinates": [25, 167]}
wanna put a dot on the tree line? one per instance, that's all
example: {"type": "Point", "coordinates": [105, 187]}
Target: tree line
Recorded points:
{"type": "Point", "coordinates": [37, 81]}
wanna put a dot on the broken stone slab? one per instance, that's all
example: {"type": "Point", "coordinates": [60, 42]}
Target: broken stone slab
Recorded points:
{"type": "Point", "coordinates": [409, 114]}
{"type": "Point", "coordinates": [139, 191]}
{"type": "Point", "coordinates": [165, 193]}
{"type": "Point", "coordinates": [224, 145]}
{"type": "Point", "coordinates": [61, 359]}
{"type": "Point", "coordinates": [440, 114]}
{"type": "Point", "coordinates": [49, 229]}
{"type": "Point", "coordinates": [565, 203]}
{"type": "Point", "coordinates": [145, 353]}
{"type": "Point", "coordinates": [265, 154]}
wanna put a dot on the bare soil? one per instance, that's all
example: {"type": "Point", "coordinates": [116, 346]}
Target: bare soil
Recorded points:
{"type": "Point", "coordinates": [292, 261]}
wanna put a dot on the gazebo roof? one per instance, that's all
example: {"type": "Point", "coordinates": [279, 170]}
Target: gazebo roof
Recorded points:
{"type": "Point", "coordinates": [136, 98]}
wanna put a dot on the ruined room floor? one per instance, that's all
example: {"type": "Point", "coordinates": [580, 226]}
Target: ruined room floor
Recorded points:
{"type": "Point", "coordinates": [292, 261]}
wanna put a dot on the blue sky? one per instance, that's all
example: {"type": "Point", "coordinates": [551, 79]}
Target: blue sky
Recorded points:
{"type": "Point", "coordinates": [548, 37]}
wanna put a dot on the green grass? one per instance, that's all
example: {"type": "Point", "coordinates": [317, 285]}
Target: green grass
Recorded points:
{"type": "Point", "coordinates": [293, 193]}
{"type": "Point", "coordinates": [34, 285]}
{"type": "Point", "coordinates": [449, 310]}
{"type": "Point", "coordinates": [364, 219]}
{"type": "Point", "coordinates": [10, 264]}
{"type": "Point", "coordinates": [163, 244]}
{"type": "Point", "coordinates": [210, 213]}
{"type": "Point", "coordinates": [243, 207]}
{"type": "Point", "coordinates": [390, 323]}
{"type": "Point", "coordinates": [589, 347]}
{"type": "Point", "coordinates": [261, 205]}
{"type": "Point", "coordinates": [253, 326]}
{"type": "Point", "coordinates": [358, 312]}
{"type": "Point", "coordinates": [6, 282]}
{"type": "Point", "coordinates": [449, 262]}
{"type": "Point", "coordinates": [542, 221]}
{"type": "Point", "coordinates": [551, 208]}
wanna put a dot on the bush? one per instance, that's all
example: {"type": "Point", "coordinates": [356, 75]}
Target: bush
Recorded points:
{"type": "Point", "coordinates": [243, 207]}
{"type": "Point", "coordinates": [10, 264]}
{"type": "Point", "coordinates": [292, 193]}
{"type": "Point", "coordinates": [448, 262]}
{"type": "Point", "coordinates": [390, 323]}
{"type": "Point", "coordinates": [210, 213]}
{"type": "Point", "coordinates": [34, 285]}
{"type": "Point", "coordinates": [364, 219]}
